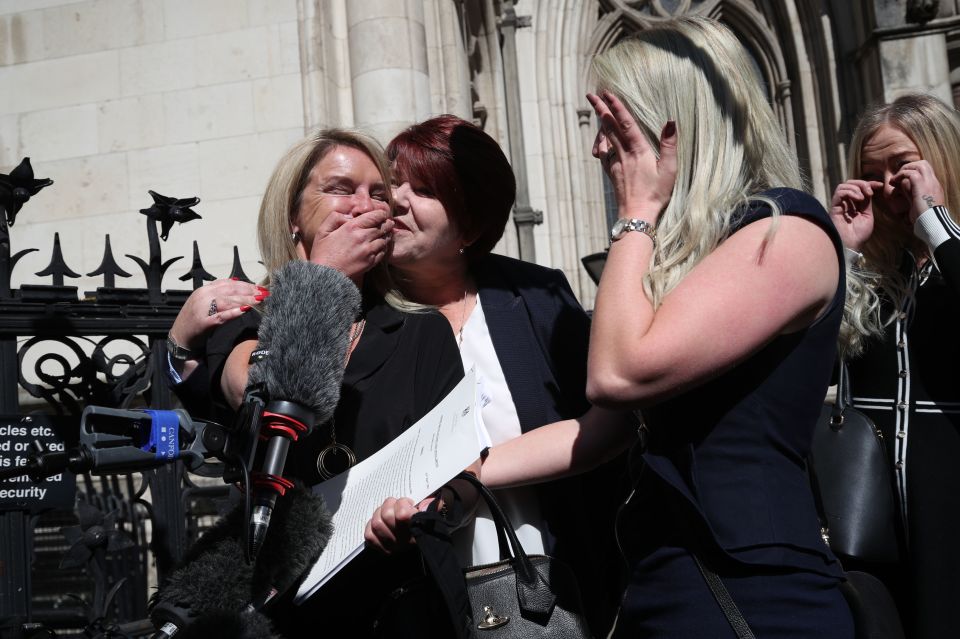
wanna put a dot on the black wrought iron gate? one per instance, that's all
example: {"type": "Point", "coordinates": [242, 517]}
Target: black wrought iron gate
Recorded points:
{"type": "Point", "coordinates": [66, 349]}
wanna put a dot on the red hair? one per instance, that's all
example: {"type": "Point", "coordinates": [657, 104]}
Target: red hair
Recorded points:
{"type": "Point", "coordinates": [466, 171]}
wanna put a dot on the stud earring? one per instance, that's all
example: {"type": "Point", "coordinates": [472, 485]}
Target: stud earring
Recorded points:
{"type": "Point", "coordinates": [461, 250]}
{"type": "Point", "coordinates": [295, 237]}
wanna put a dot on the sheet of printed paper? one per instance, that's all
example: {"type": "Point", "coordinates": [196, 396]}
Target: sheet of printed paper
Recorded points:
{"type": "Point", "coordinates": [415, 464]}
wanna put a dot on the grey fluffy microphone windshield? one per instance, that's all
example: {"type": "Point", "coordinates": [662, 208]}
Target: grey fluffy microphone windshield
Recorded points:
{"type": "Point", "coordinates": [217, 594]}
{"type": "Point", "coordinates": [306, 333]}
{"type": "Point", "coordinates": [306, 329]}
{"type": "Point", "coordinates": [294, 543]}
{"type": "Point", "coordinates": [207, 598]}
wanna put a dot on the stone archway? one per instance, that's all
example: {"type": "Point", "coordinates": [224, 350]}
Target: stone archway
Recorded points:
{"type": "Point", "coordinates": [793, 54]}
{"type": "Point", "coordinates": [791, 43]}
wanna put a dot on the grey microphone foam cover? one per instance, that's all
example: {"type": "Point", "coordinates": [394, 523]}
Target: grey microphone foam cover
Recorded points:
{"type": "Point", "coordinates": [300, 532]}
{"type": "Point", "coordinates": [306, 327]}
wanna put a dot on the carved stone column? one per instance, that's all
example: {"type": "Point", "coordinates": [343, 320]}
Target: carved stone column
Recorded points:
{"type": "Point", "coordinates": [524, 216]}
{"type": "Point", "coordinates": [388, 65]}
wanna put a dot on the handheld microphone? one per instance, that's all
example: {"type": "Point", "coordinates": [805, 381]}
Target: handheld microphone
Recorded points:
{"type": "Point", "coordinates": [300, 360]}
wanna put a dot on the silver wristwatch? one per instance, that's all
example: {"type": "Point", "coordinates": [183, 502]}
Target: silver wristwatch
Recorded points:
{"type": "Point", "coordinates": [623, 226]}
{"type": "Point", "coordinates": [179, 352]}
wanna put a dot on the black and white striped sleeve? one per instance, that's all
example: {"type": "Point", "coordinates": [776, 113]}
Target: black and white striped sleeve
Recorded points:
{"type": "Point", "coordinates": [942, 235]}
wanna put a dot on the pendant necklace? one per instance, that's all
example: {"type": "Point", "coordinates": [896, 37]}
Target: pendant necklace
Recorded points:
{"type": "Point", "coordinates": [336, 457]}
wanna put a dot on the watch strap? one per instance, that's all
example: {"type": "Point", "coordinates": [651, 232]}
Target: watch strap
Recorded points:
{"type": "Point", "coordinates": [624, 226]}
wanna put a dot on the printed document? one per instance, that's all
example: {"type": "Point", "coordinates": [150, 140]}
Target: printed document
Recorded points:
{"type": "Point", "coordinates": [415, 464]}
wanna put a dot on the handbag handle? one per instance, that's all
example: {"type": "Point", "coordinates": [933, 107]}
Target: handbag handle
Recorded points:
{"type": "Point", "coordinates": [432, 532]}
{"type": "Point", "coordinates": [533, 593]}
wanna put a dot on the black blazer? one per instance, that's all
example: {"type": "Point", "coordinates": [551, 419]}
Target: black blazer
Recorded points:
{"type": "Point", "coordinates": [540, 334]}
{"type": "Point", "coordinates": [403, 365]}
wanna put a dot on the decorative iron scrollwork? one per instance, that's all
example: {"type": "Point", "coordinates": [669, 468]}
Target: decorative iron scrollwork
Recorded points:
{"type": "Point", "coordinates": [100, 348]}
{"type": "Point", "coordinates": [167, 210]}
{"type": "Point", "coordinates": [18, 187]}
{"type": "Point", "coordinates": [69, 381]}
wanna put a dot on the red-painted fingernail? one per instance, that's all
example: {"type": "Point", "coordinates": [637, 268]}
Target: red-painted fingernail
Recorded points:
{"type": "Point", "coordinates": [669, 129]}
{"type": "Point", "coordinates": [261, 297]}
{"type": "Point", "coordinates": [263, 291]}
{"type": "Point", "coordinates": [245, 308]}
{"type": "Point", "coordinates": [235, 279]}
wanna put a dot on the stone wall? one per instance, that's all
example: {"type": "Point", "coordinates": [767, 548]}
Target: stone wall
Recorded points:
{"type": "Point", "coordinates": [111, 98]}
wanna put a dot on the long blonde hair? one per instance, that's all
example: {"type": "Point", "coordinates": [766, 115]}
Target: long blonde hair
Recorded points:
{"type": "Point", "coordinates": [730, 147]}
{"type": "Point", "coordinates": [284, 192]}
{"type": "Point", "coordinates": [935, 128]}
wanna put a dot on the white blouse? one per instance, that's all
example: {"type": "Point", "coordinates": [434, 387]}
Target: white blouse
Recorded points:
{"type": "Point", "coordinates": [477, 543]}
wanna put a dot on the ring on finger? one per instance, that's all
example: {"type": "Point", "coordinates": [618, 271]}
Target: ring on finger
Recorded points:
{"type": "Point", "coordinates": [213, 308]}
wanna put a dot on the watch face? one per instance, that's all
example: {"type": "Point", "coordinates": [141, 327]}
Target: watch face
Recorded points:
{"type": "Point", "coordinates": [618, 229]}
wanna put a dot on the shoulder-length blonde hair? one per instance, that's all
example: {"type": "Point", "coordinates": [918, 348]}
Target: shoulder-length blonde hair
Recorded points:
{"type": "Point", "coordinates": [284, 193]}
{"type": "Point", "coordinates": [730, 146]}
{"type": "Point", "coordinates": [935, 128]}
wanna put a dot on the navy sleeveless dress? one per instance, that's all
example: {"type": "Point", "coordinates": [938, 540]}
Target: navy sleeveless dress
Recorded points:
{"type": "Point", "coordinates": [724, 477]}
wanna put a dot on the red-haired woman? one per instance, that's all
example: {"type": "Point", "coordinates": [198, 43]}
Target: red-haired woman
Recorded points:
{"type": "Point", "coordinates": [518, 324]}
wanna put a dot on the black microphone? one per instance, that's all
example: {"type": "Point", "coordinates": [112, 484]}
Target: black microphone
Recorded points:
{"type": "Point", "coordinates": [216, 593]}
{"type": "Point", "coordinates": [300, 360]}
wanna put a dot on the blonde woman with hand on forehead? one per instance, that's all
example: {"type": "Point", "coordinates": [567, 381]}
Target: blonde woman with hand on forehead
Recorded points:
{"type": "Point", "coordinates": [717, 315]}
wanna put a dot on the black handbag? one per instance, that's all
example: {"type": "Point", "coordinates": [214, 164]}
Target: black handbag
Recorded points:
{"type": "Point", "coordinates": [851, 477]}
{"type": "Point", "coordinates": [519, 597]}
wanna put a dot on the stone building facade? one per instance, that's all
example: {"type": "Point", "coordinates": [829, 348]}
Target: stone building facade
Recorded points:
{"type": "Point", "coordinates": [111, 98]}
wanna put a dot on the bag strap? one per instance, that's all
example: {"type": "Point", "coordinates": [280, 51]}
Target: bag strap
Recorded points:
{"type": "Point", "coordinates": [734, 617]}
{"type": "Point", "coordinates": [818, 499]}
{"type": "Point", "coordinates": [840, 404]}
{"type": "Point", "coordinates": [844, 396]}
{"type": "Point", "coordinates": [843, 399]}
